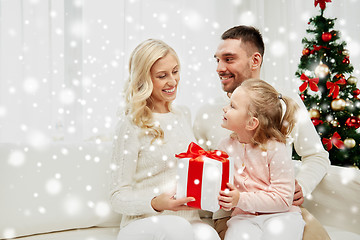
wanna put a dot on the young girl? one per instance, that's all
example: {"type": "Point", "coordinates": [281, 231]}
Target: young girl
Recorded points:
{"type": "Point", "coordinates": [264, 180]}
{"type": "Point", "coordinates": [148, 136]}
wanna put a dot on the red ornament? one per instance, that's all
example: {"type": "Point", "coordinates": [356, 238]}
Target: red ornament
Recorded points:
{"type": "Point", "coordinates": [306, 52]}
{"type": "Point", "coordinates": [356, 93]}
{"type": "Point", "coordinates": [322, 3]}
{"type": "Point", "coordinates": [326, 36]}
{"type": "Point", "coordinates": [317, 121]}
{"type": "Point", "coordinates": [353, 122]}
{"type": "Point", "coordinates": [302, 96]}
{"type": "Point", "coordinates": [346, 60]}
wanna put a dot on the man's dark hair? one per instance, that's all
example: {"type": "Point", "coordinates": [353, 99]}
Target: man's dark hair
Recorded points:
{"type": "Point", "coordinates": [247, 34]}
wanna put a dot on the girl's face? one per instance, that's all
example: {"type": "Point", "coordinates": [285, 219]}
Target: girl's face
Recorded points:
{"type": "Point", "coordinates": [236, 115]}
{"type": "Point", "coordinates": [165, 78]}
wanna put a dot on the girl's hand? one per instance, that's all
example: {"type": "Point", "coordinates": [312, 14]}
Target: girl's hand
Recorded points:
{"type": "Point", "coordinates": [229, 198]}
{"type": "Point", "coordinates": [298, 195]}
{"type": "Point", "coordinates": [166, 201]}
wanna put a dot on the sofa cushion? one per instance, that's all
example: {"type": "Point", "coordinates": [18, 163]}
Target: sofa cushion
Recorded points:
{"type": "Point", "coordinates": [339, 234]}
{"type": "Point", "coordinates": [336, 200]}
{"type": "Point", "coordinates": [94, 233]}
{"type": "Point", "coordinates": [64, 186]}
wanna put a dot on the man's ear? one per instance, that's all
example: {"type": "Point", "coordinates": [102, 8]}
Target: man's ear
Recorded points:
{"type": "Point", "coordinates": [252, 124]}
{"type": "Point", "coordinates": [256, 60]}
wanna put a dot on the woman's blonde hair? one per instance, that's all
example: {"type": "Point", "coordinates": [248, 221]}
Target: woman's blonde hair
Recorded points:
{"type": "Point", "coordinates": [139, 85]}
{"type": "Point", "coordinates": [265, 105]}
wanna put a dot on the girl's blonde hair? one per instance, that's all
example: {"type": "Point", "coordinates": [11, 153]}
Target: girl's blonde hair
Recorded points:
{"type": "Point", "coordinates": [139, 85]}
{"type": "Point", "coordinates": [265, 105]}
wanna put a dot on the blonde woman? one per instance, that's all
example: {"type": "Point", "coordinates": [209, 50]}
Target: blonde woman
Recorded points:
{"type": "Point", "coordinates": [264, 182]}
{"type": "Point", "coordinates": [150, 132]}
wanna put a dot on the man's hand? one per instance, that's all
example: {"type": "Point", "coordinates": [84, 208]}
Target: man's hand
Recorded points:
{"type": "Point", "coordinates": [166, 201]}
{"type": "Point", "coordinates": [229, 198]}
{"type": "Point", "coordinates": [298, 195]}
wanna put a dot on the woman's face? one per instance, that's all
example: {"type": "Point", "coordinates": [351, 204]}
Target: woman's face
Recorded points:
{"type": "Point", "coordinates": [165, 77]}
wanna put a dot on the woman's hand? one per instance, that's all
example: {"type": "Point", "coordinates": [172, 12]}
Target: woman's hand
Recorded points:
{"type": "Point", "coordinates": [229, 198]}
{"type": "Point", "coordinates": [166, 201]}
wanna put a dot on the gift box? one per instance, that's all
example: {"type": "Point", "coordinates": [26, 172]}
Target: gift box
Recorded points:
{"type": "Point", "coordinates": [202, 174]}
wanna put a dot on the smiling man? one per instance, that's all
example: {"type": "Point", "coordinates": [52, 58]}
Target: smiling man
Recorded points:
{"type": "Point", "coordinates": [239, 57]}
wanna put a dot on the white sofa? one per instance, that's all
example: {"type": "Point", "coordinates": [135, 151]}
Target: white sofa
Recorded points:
{"type": "Point", "coordinates": [61, 192]}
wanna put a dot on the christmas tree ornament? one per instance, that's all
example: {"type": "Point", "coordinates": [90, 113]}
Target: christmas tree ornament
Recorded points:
{"type": "Point", "coordinates": [317, 121]}
{"type": "Point", "coordinates": [338, 104]}
{"type": "Point", "coordinates": [302, 96]}
{"type": "Point", "coordinates": [309, 82]}
{"type": "Point", "coordinates": [322, 3]}
{"type": "Point", "coordinates": [353, 122]}
{"type": "Point", "coordinates": [334, 87]}
{"type": "Point", "coordinates": [350, 105]}
{"type": "Point", "coordinates": [352, 80]}
{"type": "Point", "coordinates": [334, 140]}
{"type": "Point", "coordinates": [349, 143]}
{"type": "Point", "coordinates": [326, 36]}
{"type": "Point", "coordinates": [346, 60]}
{"type": "Point", "coordinates": [322, 70]}
{"type": "Point", "coordinates": [314, 113]}
{"type": "Point", "coordinates": [356, 93]}
{"type": "Point", "coordinates": [334, 33]}
{"type": "Point", "coordinates": [306, 52]}
{"type": "Point", "coordinates": [345, 52]}
{"type": "Point", "coordinates": [339, 76]}
{"type": "Point", "coordinates": [318, 48]}
{"type": "Point", "coordinates": [334, 123]}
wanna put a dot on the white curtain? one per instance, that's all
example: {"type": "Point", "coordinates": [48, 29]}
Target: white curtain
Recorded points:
{"type": "Point", "coordinates": [63, 63]}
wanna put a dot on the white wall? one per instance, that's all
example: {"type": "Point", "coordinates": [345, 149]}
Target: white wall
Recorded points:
{"type": "Point", "coordinates": [63, 63]}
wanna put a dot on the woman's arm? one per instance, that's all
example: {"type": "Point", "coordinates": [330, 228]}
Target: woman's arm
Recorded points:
{"type": "Point", "coordinates": [124, 197]}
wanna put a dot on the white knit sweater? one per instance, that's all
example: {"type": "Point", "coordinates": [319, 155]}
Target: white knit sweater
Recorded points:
{"type": "Point", "coordinates": [141, 170]}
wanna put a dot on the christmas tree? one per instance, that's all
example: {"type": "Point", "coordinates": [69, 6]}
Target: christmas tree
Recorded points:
{"type": "Point", "coordinates": [329, 90]}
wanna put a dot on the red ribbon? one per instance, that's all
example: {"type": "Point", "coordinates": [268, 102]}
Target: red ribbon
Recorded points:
{"type": "Point", "coordinates": [334, 140]}
{"type": "Point", "coordinates": [309, 82]}
{"type": "Point", "coordinates": [322, 3]}
{"type": "Point", "coordinates": [195, 171]}
{"type": "Point", "coordinates": [334, 87]}
{"type": "Point", "coordinates": [317, 48]}
{"type": "Point", "coordinates": [317, 121]}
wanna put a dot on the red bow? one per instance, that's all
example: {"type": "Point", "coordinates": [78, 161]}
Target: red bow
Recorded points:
{"type": "Point", "coordinates": [194, 151]}
{"type": "Point", "coordinates": [317, 48]}
{"type": "Point", "coordinates": [307, 81]}
{"type": "Point", "coordinates": [335, 139]}
{"type": "Point", "coordinates": [334, 87]}
{"type": "Point", "coordinates": [322, 3]}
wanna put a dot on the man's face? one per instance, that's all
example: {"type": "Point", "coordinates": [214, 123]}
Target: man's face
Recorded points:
{"type": "Point", "coordinates": [234, 64]}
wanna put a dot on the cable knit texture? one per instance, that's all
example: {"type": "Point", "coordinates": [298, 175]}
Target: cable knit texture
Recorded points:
{"type": "Point", "coordinates": [142, 170]}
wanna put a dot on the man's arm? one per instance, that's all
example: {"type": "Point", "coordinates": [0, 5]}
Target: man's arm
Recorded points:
{"type": "Point", "coordinates": [307, 144]}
